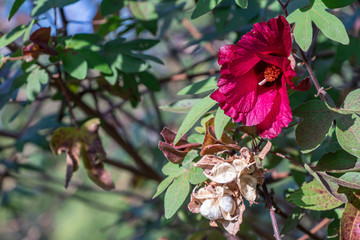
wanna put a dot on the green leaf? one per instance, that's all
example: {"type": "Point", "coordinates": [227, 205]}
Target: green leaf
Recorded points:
{"type": "Point", "coordinates": [350, 180]}
{"type": "Point", "coordinates": [338, 162]}
{"type": "Point", "coordinates": [221, 120]}
{"type": "Point", "coordinates": [204, 6]}
{"type": "Point", "coordinates": [140, 44]}
{"type": "Point", "coordinates": [333, 230]}
{"type": "Point", "coordinates": [330, 186]}
{"type": "Point", "coordinates": [110, 6]}
{"type": "Point", "coordinates": [347, 126]}
{"type": "Point", "coordinates": [42, 6]}
{"type": "Point", "coordinates": [316, 12]}
{"type": "Point", "coordinates": [312, 131]}
{"type": "Point", "coordinates": [75, 64]}
{"type": "Point", "coordinates": [11, 36]}
{"type": "Point", "coordinates": [194, 114]}
{"type": "Point", "coordinates": [149, 80]}
{"type": "Point", "coordinates": [196, 138]}
{"type": "Point", "coordinates": [314, 197]}
{"type": "Point", "coordinates": [83, 40]}
{"type": "Point", "coordinates": [351, 103]}
{"type": "Point", "coordinates": [350, 220]}
{"type": "Point", "coordinates": [28, 30]}
{"type": "Point", "coordinates": [242, 3]}
{"type": "Point", "coordinates": [9, 86]}
{"type": "Point", "coordinates": [34, 80]}
{"type": "Point", "coordinates": [176, 194]}
{"type": "Point", "coordinates": [337, 3]}
{"type": "Point", "coordinates": [163, 186]}
{"type": "Point", "coordinates": [172, 169]}
{"type": "Point", "coordinates": [293, 5]}
{"type": "Point", "coordinates": [144, 11]}
{"type": "Point", "coordinates": [181, 106]}
{"type": "Point", "coordinates": [15, 7]}
{"type": "Point", "coordinates": [293, 220]}
{"type": "Point", "coordinates": [196, 175]}
{"type": "Point", "coordinates": [95, 60]}
{"type": "Point", "coordinates": [129, 64]}
{"type": "Point", "coordinates": [199, 87]}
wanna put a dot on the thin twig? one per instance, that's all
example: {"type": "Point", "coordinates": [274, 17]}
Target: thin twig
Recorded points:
{"type": "Point", "coordinates": [197, 35]}
{"type": "Point", "coordinates": [315, 229]}
{"type": "Point", "coordinates": [323, 94]}
{"type": "Point", "coordinates": [299, 226]}
{"type": "Point", "coordinates": [131, 169]}
{"type": "Point", "coordinates": [157, 111]}
{"type": "Point", "coordinates": [9, 134]}
{"type": "Point", "coordinates": [113, 133]}
{"type": "Point", "coordinates": [272, 212]}
{"type": "Point", "coordinates": [64, 21]}
{"type": "Point", "coordinates": [65, 93]}
{"type": "Point", "coordinates": [290, 159]}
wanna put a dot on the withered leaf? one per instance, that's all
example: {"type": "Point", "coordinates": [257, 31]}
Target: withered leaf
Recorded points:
{"type": "Point", "coordinates": [175, 153]}
{"type": "Point", "coordinates": [212, 145]}
{"type": "Point", "coordinates": [83, 143]}
{"type": "Point", "coordinates": [40, 44]}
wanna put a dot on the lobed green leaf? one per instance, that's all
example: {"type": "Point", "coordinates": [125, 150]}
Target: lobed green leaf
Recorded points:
{"type": "Point", "coordinates": [314, 197]}
{"type": "Point", "coordinates": [312, 131]}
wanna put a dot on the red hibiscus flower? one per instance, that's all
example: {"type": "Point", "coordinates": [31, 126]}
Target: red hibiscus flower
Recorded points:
{"type": "Point", "coordinates": [254, 77]}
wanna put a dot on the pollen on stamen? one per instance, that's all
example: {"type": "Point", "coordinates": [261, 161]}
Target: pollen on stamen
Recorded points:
{"type": "Point", "coordinates": [271, 73]}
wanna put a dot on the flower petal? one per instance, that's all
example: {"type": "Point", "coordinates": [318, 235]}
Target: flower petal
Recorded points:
{"type": "Point", "coordinates": [272, 37]}
{"type": "Point", "coordinates": [265, 100]}
{"type": "Point", "coordinates": [228, 109]}
{"type": "Point", "coordinates": [226, 53]}
{"type": "Point", "coordinates": [280, 116]}
{"type": "Point", "coordinates": [240, 92]}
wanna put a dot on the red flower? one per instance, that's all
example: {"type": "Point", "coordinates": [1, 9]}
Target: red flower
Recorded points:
{"type": "Point", "coordinates": [254, 73]}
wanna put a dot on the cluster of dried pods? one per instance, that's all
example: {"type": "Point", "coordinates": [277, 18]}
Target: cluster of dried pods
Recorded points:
{"type": "Point", "coordinates": [230, 180]}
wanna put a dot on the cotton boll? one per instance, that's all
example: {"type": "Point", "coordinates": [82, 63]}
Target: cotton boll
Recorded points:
{"type": "Point", "coordinates": [226, 203]}
{"type": "Point", "coordinates": [210, 209]}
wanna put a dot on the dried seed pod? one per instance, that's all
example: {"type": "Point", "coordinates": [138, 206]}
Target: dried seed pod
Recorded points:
{"type": "Point", "coordinates": [210, 209]}
{"type": "Point", "coordinates": [248, 187]}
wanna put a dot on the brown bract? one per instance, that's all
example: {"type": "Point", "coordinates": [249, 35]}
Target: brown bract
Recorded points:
{"type": "Point", "coordinates": [232, 179]}
{"type": "Point", "coordinates": [40, 44]}
{"type": "Point", "coordinates": [212, 145]}
{"type": "Point", "coordinates": [175, 153]}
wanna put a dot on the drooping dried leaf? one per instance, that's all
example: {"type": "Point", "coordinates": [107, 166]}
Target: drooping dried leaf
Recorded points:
{"type": "Point", "coordinates": [212, 145]}
{"type": "Point", "coordinates": [175, 153]}
{"type": "Point", "coordinates": [40, 44]}
{"type": "Point", "coordinates": [83, 143]}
